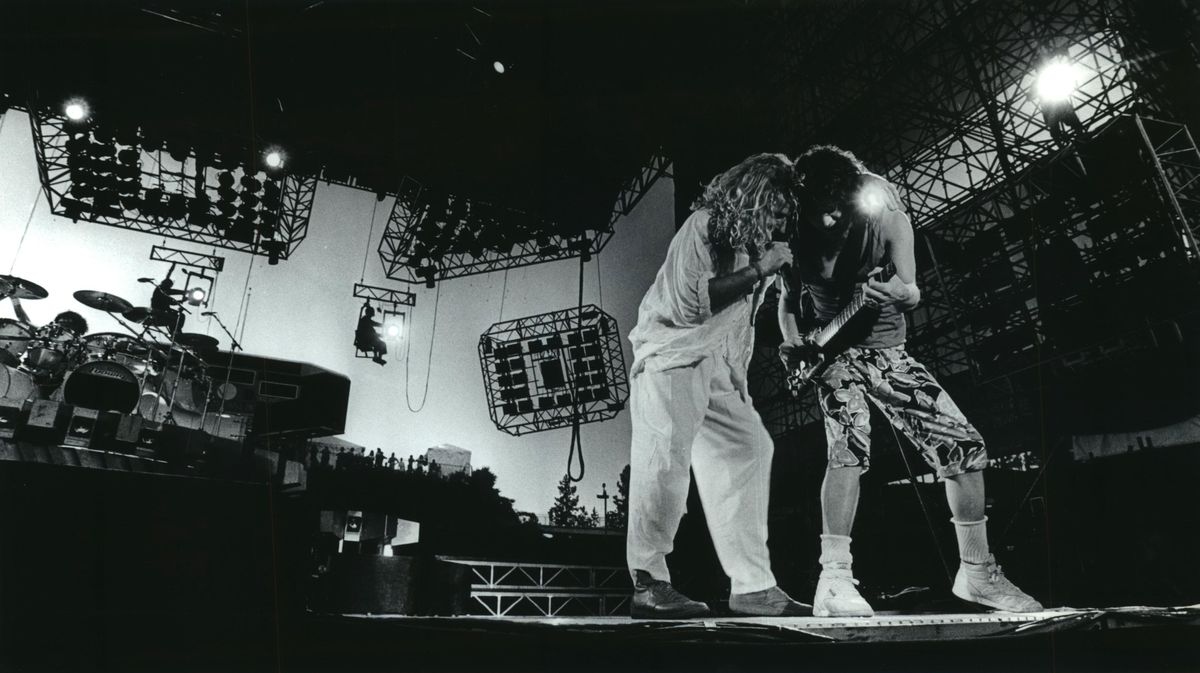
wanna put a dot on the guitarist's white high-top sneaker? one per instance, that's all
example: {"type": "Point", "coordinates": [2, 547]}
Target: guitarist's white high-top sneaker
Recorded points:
{"type": "Point", "coordinates": [837, 596]}
{"type": "Point", "coordinates": [985, 584]}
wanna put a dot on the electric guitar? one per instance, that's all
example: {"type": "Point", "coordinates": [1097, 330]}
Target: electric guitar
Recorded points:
{"type": "Point", "coordinates": [819, 339]}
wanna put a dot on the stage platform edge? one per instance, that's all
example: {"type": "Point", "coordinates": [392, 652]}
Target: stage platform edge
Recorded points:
{"type": "Point", "coordinates": [781, 630]}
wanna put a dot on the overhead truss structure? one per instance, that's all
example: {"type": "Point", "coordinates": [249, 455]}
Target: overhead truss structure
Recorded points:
{"type": "Point", "coordinates": [554, 370]}
{"type": "Point", "coordinates": [199, 260]}
{"type": "Point", "coordinates": [432, 236]}
{"type": "Point", "coordinates": [111, 177]}
{"type": "Point", "coordinates": [939, 96]}
{"type": "Point", "coordinates": [385, 295]}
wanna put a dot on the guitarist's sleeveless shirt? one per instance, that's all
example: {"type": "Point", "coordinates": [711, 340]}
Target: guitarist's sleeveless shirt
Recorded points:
{"type": "Point", "coordinates": [817, 299]}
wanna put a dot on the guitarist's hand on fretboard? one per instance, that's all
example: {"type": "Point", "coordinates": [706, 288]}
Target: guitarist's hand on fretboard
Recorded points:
{"type": "Point", "coordinates": [878, 293]}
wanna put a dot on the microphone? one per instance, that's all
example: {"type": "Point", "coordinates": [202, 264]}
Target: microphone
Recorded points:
{"type": "Point", "coordinates": [145, 280]}
{"type": "Point", "coordinates": [208, 313]}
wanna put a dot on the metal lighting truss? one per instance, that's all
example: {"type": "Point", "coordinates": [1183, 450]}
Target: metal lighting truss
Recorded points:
{"type": "Point", "coordinates": [159, 194]}
{"type": "Point", "coordinates": [939, 96]}
{"type": "Point", "coordinates": [553, 370]}
{"type": "Point", "coordinates": [199, 260]}
{"type": "Point", "coordinates": [432, 236]}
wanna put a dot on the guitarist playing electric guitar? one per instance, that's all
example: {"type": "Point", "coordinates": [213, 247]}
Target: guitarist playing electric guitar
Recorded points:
{"type": "Point", "coordinates": [843, 234]}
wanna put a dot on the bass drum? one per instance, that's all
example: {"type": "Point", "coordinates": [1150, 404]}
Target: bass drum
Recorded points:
{"type": "Point", "coordinates": [16, 384]}
{"type": "Point", "coordinates": [14, 339]}
{"type": "Point", "coordinates": [134, 355]}
{"type": "Point", "coordinates": [102, 384]}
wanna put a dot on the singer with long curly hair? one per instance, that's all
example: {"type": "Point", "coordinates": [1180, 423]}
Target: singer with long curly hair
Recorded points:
{"type": "Point", "coordinates": [689, 402]}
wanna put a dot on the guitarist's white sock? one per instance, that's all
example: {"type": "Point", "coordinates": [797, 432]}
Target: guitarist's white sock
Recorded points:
{"type": "Point", "coordinates": [835, 553]}
{"type": "Point", "coordinates": [972, 540]}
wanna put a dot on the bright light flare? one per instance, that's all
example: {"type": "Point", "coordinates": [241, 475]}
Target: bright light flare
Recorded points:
{"type": "Point", "coordinates": [871, 199]}
{"type": "Point", "coordinates": [77, 109]}
{"type": "Point", "coordinates": [274, 157]}
{"type": "Point", "coordinates": [196, 296]}
{"type": "Point", "coordinates": [498, 67]}
{"type": "Point", "coordinates": [1057, 80]}
{"type": "Point", "coordinates": [392, 330]}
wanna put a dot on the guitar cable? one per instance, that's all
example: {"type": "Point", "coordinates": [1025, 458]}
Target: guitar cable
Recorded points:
{"type": "Point", "coordinates": [921, 501]}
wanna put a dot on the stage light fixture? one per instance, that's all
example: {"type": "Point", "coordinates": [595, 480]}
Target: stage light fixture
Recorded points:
{"type": "Point", "coordinates": [196, 296]}
{"type": "Point", "coordinates": [274, 158]}
{"type": "Point", "coordinates": [498, 66]}
{"type": "Point", "coordinates": [77, 110]}
{"type": "Point", "coordinates": [250, 183]}
{"type": "Point", "coordinates": [393, 325]}
{"type": "Point", "coordinates": [1057, 80]}
{"type": "Point", "coordinates": [107, 161]}
{"type": "Point", "coordinates": [552, 370]}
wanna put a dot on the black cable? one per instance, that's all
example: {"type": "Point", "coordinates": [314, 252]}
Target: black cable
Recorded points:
{"type": "Point", "coordinates": [921, 501]}
{"type": "Point", "coordinates": [36, 200]}
{"type": "Point", "coordinates": [599, 284]}
{"type": "Point", "coordinates": [428, 364]}
{"type": "Point", "coordinates": [1033, 485]}
{"type": "Point", "coordinates": [503, 292]}
{"type": "Point", "coordinates": [370, 234]}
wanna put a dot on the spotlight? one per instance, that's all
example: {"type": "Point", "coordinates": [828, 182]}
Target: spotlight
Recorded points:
{"type": "Point", "coordinates": [498, 67]}
{"type": "Point", "coordinates": [77, 109]}
{"type": "Point", "coordinates": [870, 199]}
{"type": "Point", "coordinates": [196, 296]}
{"type": "Point", "coordinates": [393, 325]}
{"type": "Point", "coordinates": [1056, 80]}
{"type": "Point", "coordinates": [274, 158]}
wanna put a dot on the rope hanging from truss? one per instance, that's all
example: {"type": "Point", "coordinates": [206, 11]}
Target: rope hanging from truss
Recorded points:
{"type": "Point", "coordinates": [576, 447]}
{"type": "Point", "coordinates": [429, 361]}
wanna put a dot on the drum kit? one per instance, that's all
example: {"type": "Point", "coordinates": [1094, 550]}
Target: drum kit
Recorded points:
{"type": "Point", "coordinates": [150, 370]}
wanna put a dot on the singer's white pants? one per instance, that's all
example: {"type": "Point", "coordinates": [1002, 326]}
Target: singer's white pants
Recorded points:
{"type": "Point", "coordinates": [696, 417]}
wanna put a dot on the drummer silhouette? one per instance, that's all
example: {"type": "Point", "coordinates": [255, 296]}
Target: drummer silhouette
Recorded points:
{"type": "Point", "coordinates": [48, 358]}
{"type": "Point", "coordinates": [69, 321]}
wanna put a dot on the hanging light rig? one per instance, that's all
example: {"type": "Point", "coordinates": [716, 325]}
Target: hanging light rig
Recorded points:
{"type": "Point", "coordinates": [387, 308]}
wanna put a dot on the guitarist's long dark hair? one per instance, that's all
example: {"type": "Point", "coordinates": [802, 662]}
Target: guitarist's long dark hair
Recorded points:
{"type": "Point", "coordinates": [830, 177]}
{"type": "Point", "coordinates": [742, 201]}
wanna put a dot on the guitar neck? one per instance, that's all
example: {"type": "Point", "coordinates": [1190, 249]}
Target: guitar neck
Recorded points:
{"type": "Point", "coordinates": [829, 331]}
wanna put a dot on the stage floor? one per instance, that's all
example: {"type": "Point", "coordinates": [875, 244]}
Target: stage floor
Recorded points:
{"type": "Point", "coordinates": [883, 627]}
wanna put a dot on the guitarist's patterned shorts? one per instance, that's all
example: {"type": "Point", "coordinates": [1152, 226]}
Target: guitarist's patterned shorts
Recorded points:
{"type": "Point", "coordinates": [911, 400]}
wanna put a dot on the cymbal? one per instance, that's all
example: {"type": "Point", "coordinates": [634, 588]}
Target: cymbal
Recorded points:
{"type": "Point", "coordinates": [22, 288]}
{"type": "Point", "coordinates": [102, 301]}
{"type": "Point", "coordinates": [200, 342]}
{"type": "Point", "coordinates": [137, 314]}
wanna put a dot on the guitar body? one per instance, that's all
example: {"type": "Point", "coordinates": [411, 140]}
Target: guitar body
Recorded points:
{"type": "Point", "coordinates": [823, 341]}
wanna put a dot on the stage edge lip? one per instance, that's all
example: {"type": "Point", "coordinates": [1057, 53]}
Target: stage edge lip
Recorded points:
{"type": "Point", "coordinates": [883, 627]}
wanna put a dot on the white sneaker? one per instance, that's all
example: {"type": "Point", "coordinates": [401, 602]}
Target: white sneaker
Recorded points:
{"type": "Point", "coordinates": [837, 596]}
{"type": "Point", "coordinates": [985, 584]}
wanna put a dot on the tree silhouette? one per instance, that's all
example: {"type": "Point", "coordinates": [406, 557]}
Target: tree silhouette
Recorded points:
{"type": "Point", "coordinates": [566, 510]}
{"type": "Point", "coordinates": [619, 517]}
